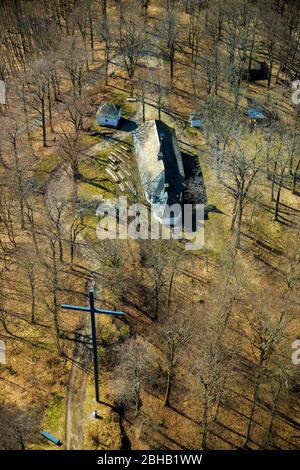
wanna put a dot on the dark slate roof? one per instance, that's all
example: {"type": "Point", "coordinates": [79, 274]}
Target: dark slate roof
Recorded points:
{"type": "Point", "coordinates": [159, 161]}
{"type": "Point", "coordinates": [108, 110]}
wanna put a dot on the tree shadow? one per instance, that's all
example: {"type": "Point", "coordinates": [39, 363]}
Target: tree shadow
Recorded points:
{"type": "Point", "coordinates": [152, 437]}
{"type": "Point", "coordinates": [184, 415]}
{"type": "Point", "coordinates": [109, 135]}
{"type": "Point", "coordinates": [223, 439]}
{"type": "Point", "coordinates": [264, 244]}
{"type": "Point", "coordinates": [289, 208]}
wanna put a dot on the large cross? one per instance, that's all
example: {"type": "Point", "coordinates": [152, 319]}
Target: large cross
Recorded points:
{"type": "Point", "coordinates": [93, 311]}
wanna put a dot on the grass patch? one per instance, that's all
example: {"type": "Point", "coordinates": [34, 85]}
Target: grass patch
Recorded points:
{"type": "Point", "coordinates": [104, 433]}
{"type": "Point", "coordinates": [53, 422]}
{"type": "Point", "coordinates": [55, 415]}
{"type": "Point", "coordinates": [95, 167]}
{"type": "Point", "coordinates": [43, 170]}
{"type": "Point", "coordinates": [91, 139]}
{"type": "Point", "coordinates": [119, 98]}
{"type": "Point", "coordinates": [216, 230]}
{"type": "Point", "coordinates": [87, 191]}
{"type": "Point", "coordinates": [103, 155]}
{"type": "Point", "coordinates": [192, 131]}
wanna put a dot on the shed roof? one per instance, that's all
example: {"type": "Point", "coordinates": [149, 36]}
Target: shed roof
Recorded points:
{"type": "Point", "coordinates": [256, 113]}
{"type": "Point", "coordinates": [108, 110]}
{"type": "Point", "coordinates": [160, 163]}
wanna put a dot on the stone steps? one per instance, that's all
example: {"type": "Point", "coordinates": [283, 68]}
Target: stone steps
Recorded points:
{"type": "Point", "coordinates": [118, 169]}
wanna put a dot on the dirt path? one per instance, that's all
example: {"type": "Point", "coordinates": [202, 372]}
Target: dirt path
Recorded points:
{"type": "Point", "coordinates": [74, 435]}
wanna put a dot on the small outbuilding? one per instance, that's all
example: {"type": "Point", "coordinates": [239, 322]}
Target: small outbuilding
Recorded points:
{"type": "Point", "coordinates": [108, 114]}
{"type": "Point", "coordinates": [256, 114]}
{"type": "Point", "coordinates": [195, 120]}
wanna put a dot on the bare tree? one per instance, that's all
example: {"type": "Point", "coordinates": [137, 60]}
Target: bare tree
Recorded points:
{"type": "Point", "coordinates": [268, 331]}
{"type": "Point", "coordinates": [131, 373]}
{"type": "Point", "coordinates": [131, 46]}
{"type": "Point", "coordinates": [76, 109]}
{"type": "Point", "coordinates": [169, 33]}
{"type": "Point", "coordinates": [159, 93]}
{"type": "Point", "coordinates": [76, 229]}
{"type": "Point", "coordinates": [6, 215]}
{"type": "Point", "coordinates": [290, 266]}
{"type": "Point", "coordinates": [240, 170]}
{"type": "Point", "coordinates": [18, 427]}
{"type": "Point", "coordinates": [222, 121]}
{"type": "Point", "coordinates": [17, 165]}
{"type": "Point", "coordinates": [175, 333]}
{"type": "Point", "coordinates": [38, 83]}
{"type": "Point", "coordinates": [53, 286]}
{"type": "Point", "coordinates": [56, 213]}
{"type": "Point", "coordinates": [213, 366]}
{"type": "Point", "coordinates": [74, 62]}
{"type": "Point", "coordinates": [159, 257]}
{"type": "Point", "coordinates": [23, 430]}
{"type": "Point", "coordinates": [31, 267]}
{"type": "Point", "coordinates": [277, 382]}
{"type": "Point", "coordinates": [111, 257]}
{"type": "Point", "coordinates": [195, 33]}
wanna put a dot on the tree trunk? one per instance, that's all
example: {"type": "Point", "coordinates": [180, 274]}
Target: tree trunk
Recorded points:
{"type": "Point", "coordinates": [268, 437]}
{"type": "Point", "coordinates": [172, 56]}
{"type": "Point", "coordinates": [33, 299]}
{"type": "Point", "coordinates": [50, 108]}
{"type": "Point", "coordinates": [55, 303]}
{"type": "Point", "coordinates": [233, 219]}
{"type": "Point", "coordinates": [278, 201]}
{"type": "Point", "coordinates": [251, 51]}
{"type": "Point", "coordinates": [91, 34]}
{"type": "Point", "coordinates": [270, 73]}
{"type": "Point", "coordinates": [106, 62]}
{"type": "Point", "coordinates": [137, 401]}
{"type": "Point", "coordinates": [273, 181]}
{"type": "Point", "coordinates": [240, 210]}
{"type": "Point", "coordinates": [295, 177]}
{"type": "Point", "coordinates": [168, 387]}
{"type": "Point", "coordinates": [131, 86]}
{"type": "Point", "coordinates": [204, 420]}
{"type": "Point", "coordinates": [255, 397]}
{"type": "Point", "coordinates": [43, 121]}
